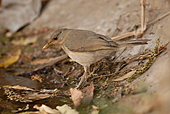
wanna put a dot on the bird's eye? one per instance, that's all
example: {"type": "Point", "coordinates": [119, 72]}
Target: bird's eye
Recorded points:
{"type": "Point", "coordinates": [55, 38]}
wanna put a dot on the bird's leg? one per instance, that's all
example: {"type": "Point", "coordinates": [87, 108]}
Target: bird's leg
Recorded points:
{"type": "Point", "coordinates": [84, 77]}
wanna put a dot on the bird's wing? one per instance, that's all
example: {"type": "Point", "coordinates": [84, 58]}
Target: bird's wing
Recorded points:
{"type": "Point", "coordinates": [87, 41]}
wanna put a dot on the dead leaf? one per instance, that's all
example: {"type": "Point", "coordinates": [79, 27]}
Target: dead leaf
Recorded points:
{"type": "Point", "coordinates": [41, 61]}
{"type": "Point", "coordinates": [65, 109]}
{"type": "Point", "coordinates": [128, 75]}
{"type": "Point", "coordinates": [95, 110]}
{"type": "Point", "coordinates": [76, 96]}
{"type": "Point", "coordinates": [36, 96]}
{"type": "Point", "coordinates": [88, 95]}
{"type": "Point", "coordinates": [24, 94]}
{"type": "Point", "coordinates": [25, 41]}
{"type": "Point", "coordinates": [18, 87]}
{"type": "Point", "coordinates": [43, 109]}
{"type": "Point", "coordinates": [57, 59]}
{"type": "Point", "coordinates": [82, 98]}
{"type": "Point", "coordinates": [95, 107]}
{"type": "Point", "coordinates": [11, 58]}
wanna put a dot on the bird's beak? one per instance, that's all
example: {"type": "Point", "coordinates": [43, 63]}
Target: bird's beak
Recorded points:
{"type": "Point", "coordinates": [47, 46]}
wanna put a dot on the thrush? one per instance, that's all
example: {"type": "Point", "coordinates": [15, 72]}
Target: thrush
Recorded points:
{"type": "Point", "coordinates": [86, 47]}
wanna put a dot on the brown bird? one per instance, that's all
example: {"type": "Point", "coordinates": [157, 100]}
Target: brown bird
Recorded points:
{"type": "Point", "coordinates": [86, 47]}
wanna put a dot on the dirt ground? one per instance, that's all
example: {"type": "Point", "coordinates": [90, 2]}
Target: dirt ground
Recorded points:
{"type": "Point", "coordinates": [146, 93]}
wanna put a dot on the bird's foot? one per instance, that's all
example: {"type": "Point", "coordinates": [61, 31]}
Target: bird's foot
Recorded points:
{"type": "Point", "coordinates": [92, 74]}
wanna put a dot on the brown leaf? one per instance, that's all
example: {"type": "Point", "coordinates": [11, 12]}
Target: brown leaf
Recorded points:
{"type": "Point", "coordinates": [65, 109]}
{"type": "Point", "coordinates": [43, 109]}
{"type": "Point", "coordinates": [24, 94]}
{"type": "Point", "coordinates": [82, 98]}
{"type": "Point", "coordinates": [11, 58]}
{"type": "Point", "coordinates": [88, 94]}
{"type": "Point", "coordinates": [52, 62]}
{"type": "Point", "coordinates": [43, 61]}
{"type": "Point", "coordinates": [19, 87]}
{"type": "Point", "coordinates": [25, 41]}
{"type": "Point", "coordinates": [128, 75]}
{"type": "Point", "coordinates": [76, 96]}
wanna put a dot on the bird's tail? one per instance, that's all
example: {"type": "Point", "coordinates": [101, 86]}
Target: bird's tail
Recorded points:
{"type": "Point", "coordinates": [132, 42]}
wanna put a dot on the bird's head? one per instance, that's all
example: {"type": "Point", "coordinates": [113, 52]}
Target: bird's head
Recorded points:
{"type": "Point", "coordinates": [56, 38]}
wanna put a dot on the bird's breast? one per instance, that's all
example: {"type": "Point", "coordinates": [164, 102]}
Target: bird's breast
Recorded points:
{"type": "Point", "coordinates": [87, 58]}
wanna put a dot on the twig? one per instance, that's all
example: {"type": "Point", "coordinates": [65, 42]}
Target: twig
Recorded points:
{"type": "Point", "coordinates": [139, 32]}
{"type": "Point", "coordinates": [143, 19]}
{"type": "Point", "coordinates": [157, 51]}
{"type": "Point", "coordinates": [137, 58]}
{"type": "Point", "coordinates": [123, 36]}
{"type": "Point", "coordinates": [102, 76]}
{"type": "Point", "coordinates": [51, 62]}
{"type": "Point", "coordinates": [158, 19]}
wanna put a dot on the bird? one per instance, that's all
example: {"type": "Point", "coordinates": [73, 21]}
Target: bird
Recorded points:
{"type": "Point", "coordinates": [86, 47]}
